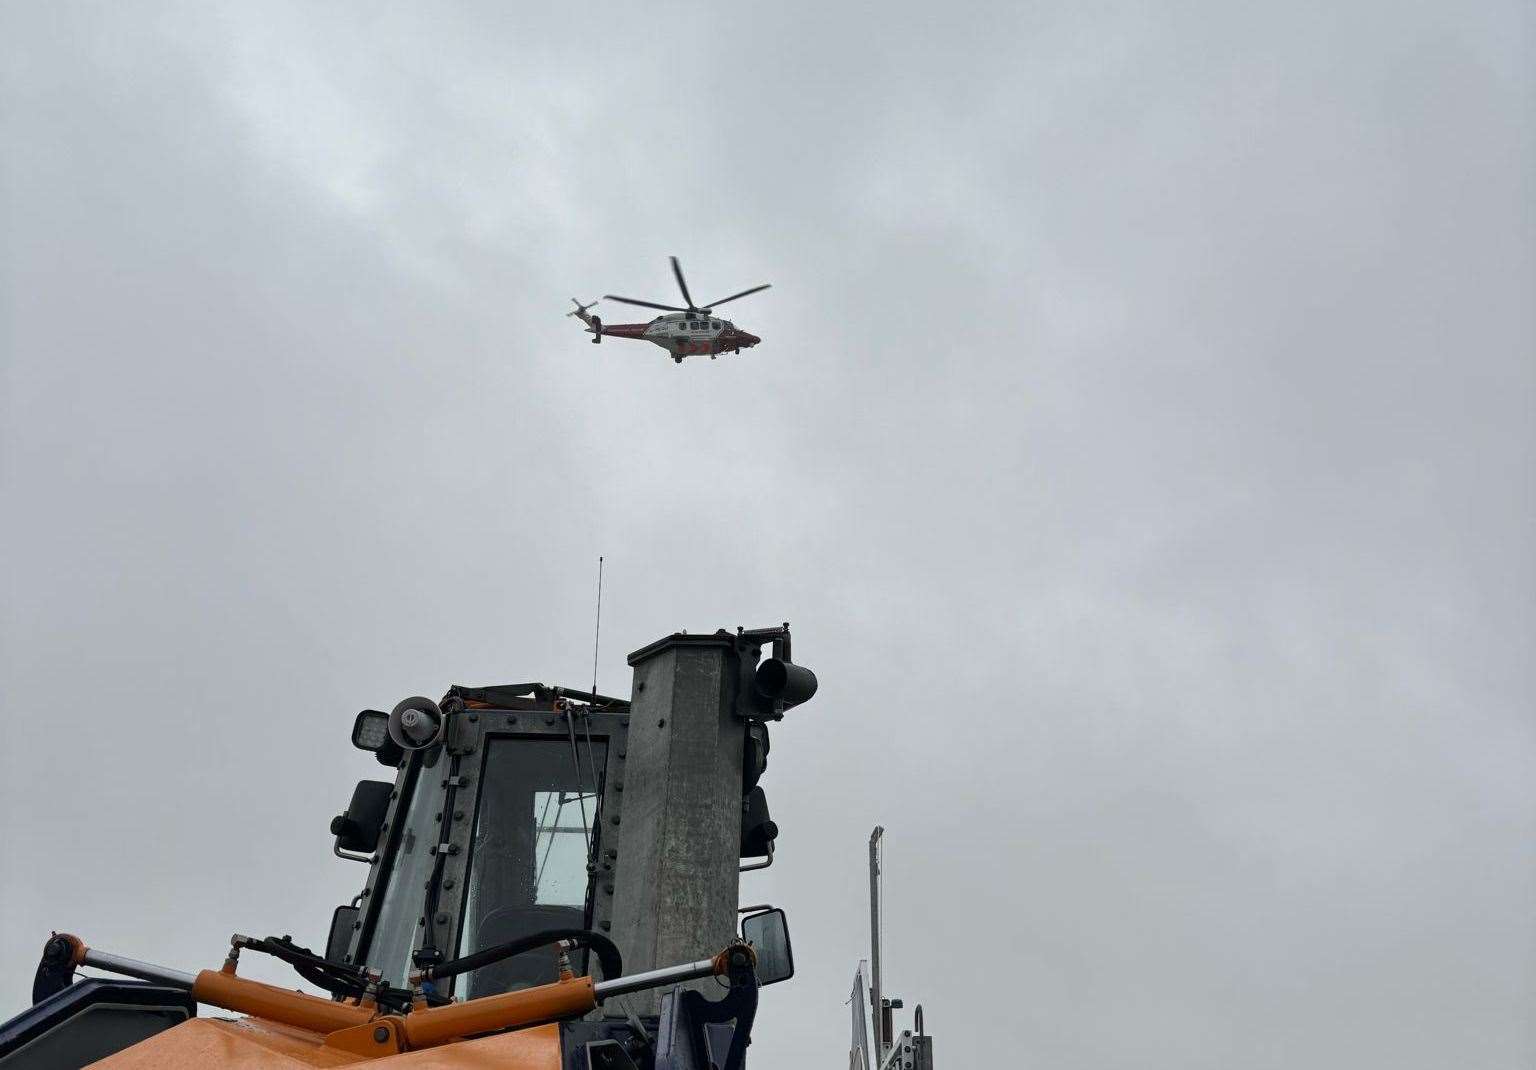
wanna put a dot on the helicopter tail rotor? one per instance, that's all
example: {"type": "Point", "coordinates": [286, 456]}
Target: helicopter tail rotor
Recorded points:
{"type": "Point", "coordinates": [594, 322]}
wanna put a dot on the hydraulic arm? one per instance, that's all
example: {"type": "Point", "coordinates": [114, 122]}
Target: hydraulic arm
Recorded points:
{"type": "Point", "coordinates": [364, 1027]}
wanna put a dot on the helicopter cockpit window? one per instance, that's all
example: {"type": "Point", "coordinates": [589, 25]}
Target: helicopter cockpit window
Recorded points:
{"type": "Point", "coordinates": [528, 860]}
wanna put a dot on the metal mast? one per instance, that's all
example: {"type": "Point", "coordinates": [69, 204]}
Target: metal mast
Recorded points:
{"type": "Point", "coordinates": [882, 1041]}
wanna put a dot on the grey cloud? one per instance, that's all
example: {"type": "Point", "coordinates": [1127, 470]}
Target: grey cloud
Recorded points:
{"type": "Point", "coordinates": [1141, 444]}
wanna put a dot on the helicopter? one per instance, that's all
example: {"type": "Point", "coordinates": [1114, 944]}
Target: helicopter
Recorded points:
{"type": "Point", "coordinates": [685, 332]}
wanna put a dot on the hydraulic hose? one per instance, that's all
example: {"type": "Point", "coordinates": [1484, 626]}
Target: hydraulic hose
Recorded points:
{"type": "Point", "coordinates": [606, 950]}
{"type": "Point", "coordinates": [339, 979]}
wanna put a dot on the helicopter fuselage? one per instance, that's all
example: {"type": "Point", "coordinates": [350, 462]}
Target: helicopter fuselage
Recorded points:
{"type": "Point", "coordinates": [685, 334]}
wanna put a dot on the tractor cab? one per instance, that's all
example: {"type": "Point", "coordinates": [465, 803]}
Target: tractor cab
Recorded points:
{"type": "Point", "coordinates": [501, 824]}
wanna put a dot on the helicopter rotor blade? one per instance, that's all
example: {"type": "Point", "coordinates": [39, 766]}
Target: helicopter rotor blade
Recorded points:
{"type": "Point", "coordinates": [643, 304]}
{"type": "Point", "coordinates": [743, 293]}
{"type": "Point", "coordinates": [677, 270]}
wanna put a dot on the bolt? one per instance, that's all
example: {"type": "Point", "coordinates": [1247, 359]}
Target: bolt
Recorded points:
{"type": "Point", "coordinates": [661, 722]}
{"type": "Point", "coordinates": [381, 1034]}
{"type": "Point", "coordinates": [621, 755]}
{"type": "Point", "coordinates": [474, 716]}
{"type": "Point", "coordinates": [447, 884]}
{"type": "Point", "coordinates": [618, 785]}
{"type": "Point", "coordinates": [608, 887]}
{"type": "Point", "coordinates": [442, 919]}
{"type": "Point", "coordinates": [640, 686]}
{"type": "Point", "coordinates": [458, 815]}
{"type": "Point", "coordinates": [614, 819]}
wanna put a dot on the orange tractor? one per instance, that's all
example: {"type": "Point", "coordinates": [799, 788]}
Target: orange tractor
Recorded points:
{"type": "Point", "coordinates": [553, 881]}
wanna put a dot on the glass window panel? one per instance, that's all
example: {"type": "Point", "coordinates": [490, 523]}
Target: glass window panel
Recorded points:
{"type": "Point", "coordinates": [396, 932]}
{"type": "Point", "coordinates": [528, 859]}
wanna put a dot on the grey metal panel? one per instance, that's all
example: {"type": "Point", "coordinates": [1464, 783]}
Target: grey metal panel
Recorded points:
{"type": "Point", "coordinates": [676, 892]}
{"type": "Point", "coordinates": [909, 1051]}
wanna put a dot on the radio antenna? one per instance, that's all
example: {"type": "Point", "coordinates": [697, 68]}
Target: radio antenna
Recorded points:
{"type": "Point", "coordinates": [597, 628]}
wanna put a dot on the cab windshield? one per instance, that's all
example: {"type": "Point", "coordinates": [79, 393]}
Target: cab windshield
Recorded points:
{"type": "Point", "coordinates": [533, 832]}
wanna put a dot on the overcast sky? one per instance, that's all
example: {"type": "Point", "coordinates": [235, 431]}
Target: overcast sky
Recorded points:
{"type": "Point", "coordinates": [1141, 445]}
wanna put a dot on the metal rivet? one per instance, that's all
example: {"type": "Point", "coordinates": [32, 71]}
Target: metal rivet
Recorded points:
{"type": "Point", "coordinates": [474, 715]}
{"type": "Point", "coordinates": [458, 815]}
{"type": "Point", "coordinates": [661, 722]}
{"type": "Point", "coordinates": [618, 785]}
{"type": "Point", "coordinates": [447, 884]}
{"type": "Point", "coordinates": [621, 755]}
{"type": "Point", "coordinates": [614, 819]}
{"type": "Point", "coordinates": [442, 919]}
{"type": "Point", "coordinates": [381, 1034]}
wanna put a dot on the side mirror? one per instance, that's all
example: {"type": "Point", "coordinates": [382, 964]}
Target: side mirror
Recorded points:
{"type": "Point", "coordinates": [358, 829]}
{"type": "Point", "coordinates": [768, 933]}
{"type": "Point", "coordinates": [342, 920]}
